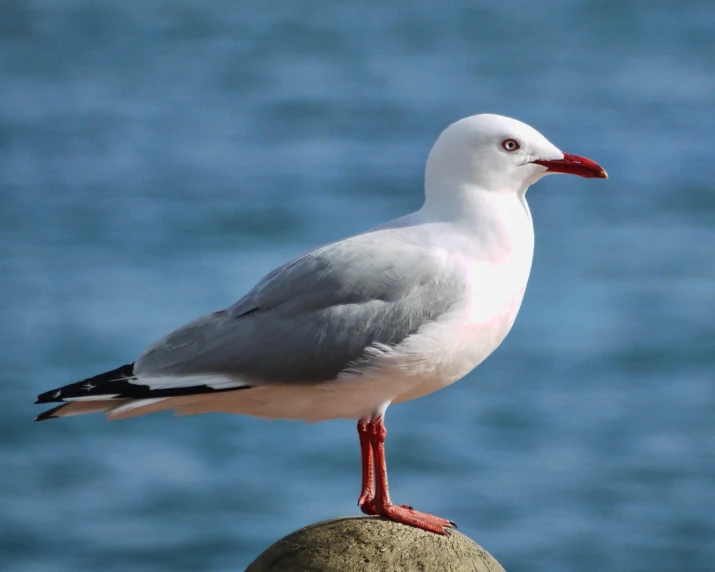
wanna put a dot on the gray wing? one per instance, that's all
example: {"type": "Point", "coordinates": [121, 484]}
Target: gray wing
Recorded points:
{"type": "Point", "coordinates": [314, 317]}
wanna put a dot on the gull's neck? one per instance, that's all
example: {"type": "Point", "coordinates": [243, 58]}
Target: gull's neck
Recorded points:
{"type": "Point", "coordinates": [472, 204]}
{"type": "Point", "coordinates": [499, 222]}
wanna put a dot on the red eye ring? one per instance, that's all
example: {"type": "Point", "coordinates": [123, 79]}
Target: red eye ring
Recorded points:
{"type": "Point", "coordinates": [510, 145]}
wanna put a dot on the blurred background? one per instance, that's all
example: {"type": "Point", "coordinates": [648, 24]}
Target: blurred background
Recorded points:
{"type": "Point", "coordinates": [158, 158]}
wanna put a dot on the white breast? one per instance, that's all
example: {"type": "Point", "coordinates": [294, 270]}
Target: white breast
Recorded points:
{"type": "Point", "coordinates": [496, 272]}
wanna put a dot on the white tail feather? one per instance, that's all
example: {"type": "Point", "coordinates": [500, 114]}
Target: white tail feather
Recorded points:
{"type": "Point", "coordinates": [138, 407]}
{"type": "Point", "coordinates": [80, 408]}
{"type": "Point", "coordinates": [136, 403]}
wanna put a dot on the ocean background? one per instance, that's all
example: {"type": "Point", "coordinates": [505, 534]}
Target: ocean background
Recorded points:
{"type": "Point", "coordinates": [157, 158]}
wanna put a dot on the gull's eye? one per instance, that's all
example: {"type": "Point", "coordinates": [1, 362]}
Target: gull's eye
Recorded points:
{"type": "Point", "coordinates": [510, 145]}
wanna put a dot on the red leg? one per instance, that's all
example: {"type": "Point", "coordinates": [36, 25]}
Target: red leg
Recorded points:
{"type": "Point", "coordinates": [382, 503]}
{"type": "Point", "coordinates": [366, 502]}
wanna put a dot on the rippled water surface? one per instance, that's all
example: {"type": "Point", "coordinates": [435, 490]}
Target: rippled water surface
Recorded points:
{"type": "Point", "coordinates": [157, 158]}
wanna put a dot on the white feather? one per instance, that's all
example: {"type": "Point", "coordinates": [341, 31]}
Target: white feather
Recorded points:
{"type": "Point", "coordinates": [135, 403]}
{"type": "Point", "coordinates": [91, 397]}
{"type": "Point", "coordinates": [180, 381]}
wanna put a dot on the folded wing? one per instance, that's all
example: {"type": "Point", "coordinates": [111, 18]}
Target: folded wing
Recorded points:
{"type": "Point", "coordinates": [304, 323]}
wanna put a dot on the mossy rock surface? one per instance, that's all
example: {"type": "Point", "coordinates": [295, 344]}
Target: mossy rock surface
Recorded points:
{"type": "Point", "coordinates": [372, 544]}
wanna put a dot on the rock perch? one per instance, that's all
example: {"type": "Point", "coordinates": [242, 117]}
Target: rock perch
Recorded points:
{"type": "Point", "coordinates": [372, 544]}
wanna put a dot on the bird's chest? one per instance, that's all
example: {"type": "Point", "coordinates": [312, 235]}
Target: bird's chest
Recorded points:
{"type": "Point", "coordinates": [494, 293]}
{"type": "Point", "coordinates": [451, 349]}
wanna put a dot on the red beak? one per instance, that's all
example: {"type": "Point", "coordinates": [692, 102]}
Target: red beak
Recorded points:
{"type": "Point", "coordinates": [574, 165]}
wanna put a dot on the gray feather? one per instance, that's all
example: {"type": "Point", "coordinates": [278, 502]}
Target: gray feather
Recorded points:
{"type": "Point", "coordinates": [314, 317]}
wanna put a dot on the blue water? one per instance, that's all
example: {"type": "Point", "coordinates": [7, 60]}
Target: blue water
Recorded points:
{"type": "Point", "coordinates": [157, 158]}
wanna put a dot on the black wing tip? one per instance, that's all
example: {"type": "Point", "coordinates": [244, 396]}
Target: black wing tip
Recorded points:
{"type": "Point", "coordinates": [59, 394]}
{"type": "Point", "coordinates": [47, 397]}
{"type": "Point", "coordinates": [118, 383]}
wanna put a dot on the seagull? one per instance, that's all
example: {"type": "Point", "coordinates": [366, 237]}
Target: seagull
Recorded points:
{"type": "Point", "coordinates": [347, 329]}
